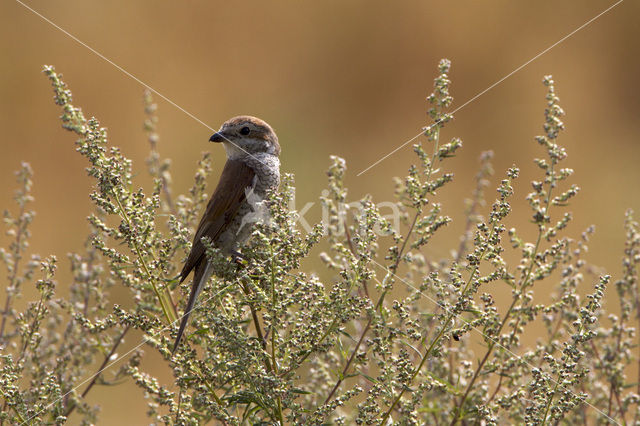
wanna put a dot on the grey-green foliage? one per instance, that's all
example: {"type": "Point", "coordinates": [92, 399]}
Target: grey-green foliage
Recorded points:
{"type": "Point", "coordinates": [380, 335]}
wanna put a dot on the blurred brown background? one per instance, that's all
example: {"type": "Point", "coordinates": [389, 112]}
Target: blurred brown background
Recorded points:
{"type": "Point", "coordinates": [344, 78]}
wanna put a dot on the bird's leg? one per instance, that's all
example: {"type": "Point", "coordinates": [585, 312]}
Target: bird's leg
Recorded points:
{"type": "Point", "coordinates": [237, 254]}
{"type": "Point", "coordinates": [238, 257]}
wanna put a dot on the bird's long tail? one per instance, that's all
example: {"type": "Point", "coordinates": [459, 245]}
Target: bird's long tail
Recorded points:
{"type": "Point", "coordinates": [201, 275]}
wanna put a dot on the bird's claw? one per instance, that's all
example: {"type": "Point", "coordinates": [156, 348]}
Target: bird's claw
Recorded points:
{"type": "Point", "coordinates": [238, 258]}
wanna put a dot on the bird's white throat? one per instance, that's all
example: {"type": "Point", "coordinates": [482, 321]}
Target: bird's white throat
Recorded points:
{"type": "Point", "coordinates": [234, 151]}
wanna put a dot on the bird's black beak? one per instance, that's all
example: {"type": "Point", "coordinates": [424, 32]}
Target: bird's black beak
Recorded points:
{"type": "Point", "coordinates": [217, 137]}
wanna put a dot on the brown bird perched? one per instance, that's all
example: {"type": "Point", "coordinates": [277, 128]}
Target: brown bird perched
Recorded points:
{"type": "Point", "coordinates": [252, 168]}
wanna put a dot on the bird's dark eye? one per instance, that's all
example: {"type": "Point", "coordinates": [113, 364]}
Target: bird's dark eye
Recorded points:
{"type": "Point", "coordinates": [245, 130]}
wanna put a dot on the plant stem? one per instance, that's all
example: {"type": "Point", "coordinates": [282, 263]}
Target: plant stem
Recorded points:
{"type": "Point", "coordinates": [393, 268]}
{"type": "Point", "coordinates": [440, 334]}
{"type": "Point", "coordinates": [349, 361]}
{"type": "Point", "coordinates": [525, 284]}
{"type": "Point", "coordinates": [170, 315]}
{"type": "Point", "coordinates": [259, 333]}
{"type": "Point", "coordinates": [335, 319]}
{"type": "Point", "coordinates": [493, 342]}
{"type": "Point", "coordinates": [14, 274]}
{"type": "Point", "coordinates": [211, 389]}
{"type": "Point", "coordinates": [436, 339]}
{"type": "Point", "coordinates": [274, 302]}
{"type": "Point", "coordinates": [33, 327]}
{"type": "Point", "coordinates": [102, 367]}
{"type": "Point", "coordinates": [15, 409]}
{"type": "Point", "coordinates": [548, 406]}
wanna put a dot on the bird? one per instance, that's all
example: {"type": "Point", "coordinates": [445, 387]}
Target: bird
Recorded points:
{"type": "Point", "coordinates": [252, 170]}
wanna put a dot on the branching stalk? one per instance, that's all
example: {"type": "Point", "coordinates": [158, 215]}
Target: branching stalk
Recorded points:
{"type": "Point", "coordinates": [164, 297]}
{"type": "Point", "coordinates": [525, 284]}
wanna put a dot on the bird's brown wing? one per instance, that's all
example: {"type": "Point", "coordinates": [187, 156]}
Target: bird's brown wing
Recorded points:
{"type": "Point", "coordinates": [236, 177]}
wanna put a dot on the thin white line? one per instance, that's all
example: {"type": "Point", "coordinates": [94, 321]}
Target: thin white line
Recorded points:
{"type": "Point", "coordinates": [116, 65]}
{"type": "Point", "coordinates": [392, 152]}
{"type": "Point", "coordinates": [145, 339]}
{"type": "Point", "coordinates": [127, 73]}
{"type": "Point", "coordinates": [502, 79]}
{"type": "Point", "coordinates": [536, 57]}
{"type": "Point", "coordinates": [481, 333]}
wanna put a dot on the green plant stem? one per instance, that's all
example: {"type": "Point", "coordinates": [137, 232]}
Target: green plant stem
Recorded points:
{"type": "Point", "coordinates": [349, 361]}
{"type": "Point", "coordinates": [32, 329]}
{"type": "Point", "coordinates": [310, 351]}
{"type": "Point", "coordinates": [179, 405]}
{"type": "Point", "coordinates": [203, 380]}
{"type": "Point", "coordinates": [462, 249]}
{"type": "Point", "coordinates": [259, 333]}
{"type": "Point", "coordinates": [335, 319]}
{"type": "Point", "coordinates": [274, 302]}
{"type": "Point", "coordinates": [555, 389]}
{"type": "Point", "coordinates": [436, 339]}
{"type": "Point", "coordinates": [548, 406]}
{"type": "Point", "coordinates": [440, 334]}
{"type": "Point", "coordinates": [170, 315]}
{"type": "Point", "coordinates": [15, 409]}
{"type": "Point", "coordinates": [392, 270]}
{"type": "Point", "coordinates": [370, 320]}
{"type": "Point", "coordinates": [212, 391]}
{"type": "Point", "coordinates": [492, 344]}
{"type": "Point", "coordinates": [525, 284]}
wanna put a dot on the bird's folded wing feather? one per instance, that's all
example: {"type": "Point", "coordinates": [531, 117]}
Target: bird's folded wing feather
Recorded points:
{"type": "Point", "coordinates": [229, 195]}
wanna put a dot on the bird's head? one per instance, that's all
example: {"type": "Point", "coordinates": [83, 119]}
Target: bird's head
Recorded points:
{"type": "Point", "coordinates": [245, 135]}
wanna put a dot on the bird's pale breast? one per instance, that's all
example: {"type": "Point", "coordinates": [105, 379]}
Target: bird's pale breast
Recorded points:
{"type": "Point", "coordinates": [267, 177]}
